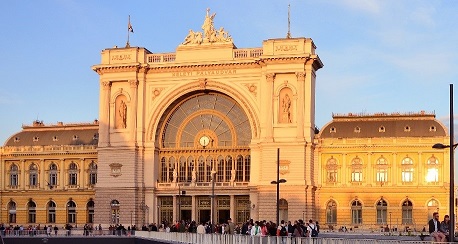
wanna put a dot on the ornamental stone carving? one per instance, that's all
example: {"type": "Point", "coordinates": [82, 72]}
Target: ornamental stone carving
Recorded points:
{"type": "Point", "coordinates": [209, 34]}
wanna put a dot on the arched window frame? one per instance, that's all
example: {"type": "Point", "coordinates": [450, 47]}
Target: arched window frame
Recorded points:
{"type": "Point", "coordinates": [356, 212]}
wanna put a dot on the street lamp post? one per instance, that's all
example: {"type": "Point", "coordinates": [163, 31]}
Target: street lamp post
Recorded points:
{"type": "Point", "coordinates": [452, 147]}
{"type": "Point", "coordinates": [278, 182]}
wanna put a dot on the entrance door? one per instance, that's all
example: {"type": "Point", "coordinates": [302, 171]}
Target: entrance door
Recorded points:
{"type": "Point", "coordinates": [223, 216]}
{"type": "Point", "coordinates": [204, 216]}
{"type": "Point", "coordinates": [186, 214]}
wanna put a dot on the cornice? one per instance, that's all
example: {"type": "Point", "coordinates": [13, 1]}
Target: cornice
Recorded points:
{"type": "Point", "coordinates": [117, 69]}
{"type": "Point", "coordinates": [197, 67]}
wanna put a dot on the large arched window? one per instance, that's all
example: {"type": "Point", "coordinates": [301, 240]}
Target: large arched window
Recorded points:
{"type": "Point", "coordinates": [382, 208]}
{"type": "Point", "coordinates": [356, 170]}
{"type": "Point", "coordinates": [51, 209]}
{"type": "Point", "coordinates": [71, 212]}
{"type": "Point", "coordinates": [14, 176]}
{"type": "Point", "coordinates": [33, 176]}
{"type": "Point", "coordinates": [407, 170]}
{"type": "Point", "coordinates": [52, 181]}
{"type": "Point", "coordinates": [381, 174]}
{"type": "Point", "coordinates": [31, 212]}
{"type": "Point", "coordinates": [12, 212]}
{"type": "Point", "coordinates": [73, 175]}
{"type": "Point", "coordinates": [407, 212]}
{"type": "Point", "coordinates": [331, 212]}
{"type": "Point", "coordinates": [432, 170]}
{"type": "Point", "coordinates": [356, 212]}
{"type": "Point", "coordinates": [90, 212]}
{"type": "Point", "coordinates": [331, 170]}
{"type": "Point", "coordinates": [115, 207]}
{"type": "Point", "coordinates": [433, 206]}
{"type": "Point", "coordinates": [92, 173]}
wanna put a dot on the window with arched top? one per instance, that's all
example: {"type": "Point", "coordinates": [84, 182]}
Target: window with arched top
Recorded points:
{"type": "Point", "coordinates": [52, 181]}
{"type": "Point", "coordinates": [407, 170]}
{"type": "Point", "coordinates": [331, 170]}
{"type": "Point", "coordinates": [356, 212]}
{"type": "Point", "coordinates": [381, 173]}
{"type": "Point", "coordinates": [407, 212]}
{"type": "Point", "coordinates": [331, 212]}
{"type": "Point", "coordinates": [382, 210]}
{"type": "Point", "coordinates": [356, 170]}
{"type": "Point", "coordinates": [51, 212]}
{"type": "Point", "coordinates": [90, 212]}
{"type": "Point", "coordinates": [432, 170]}
{"type": "Point", "coordinates": [92, 173]}
{"type": "Point", "coordinates": [33, 176]}
{"type": "Point", "coordinates": [14, 176]}
{"type": "Point", "coordinates": [73, 175]}
{"type": "Point", "coordinates": [31, 212]}
{"type": "Point", "coordinates": [433, 206]}
{"type": "Point", "coordinates": [12, 212]}
{"type": "Point", "coordinates": [71, 212]}
{"type": "Point", "coordinates": [283, 209]}
{"type": "Point", "coordinates": [115, 208]}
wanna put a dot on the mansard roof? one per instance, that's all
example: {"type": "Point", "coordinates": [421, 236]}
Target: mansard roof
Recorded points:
{"type": "Point", "coordinates": [351, 125]}
{"type": "Point", "coordinates": [39, 134]}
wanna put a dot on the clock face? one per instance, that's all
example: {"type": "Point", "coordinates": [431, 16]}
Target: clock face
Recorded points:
{"type": "Point", "coordinates": [204, 141]}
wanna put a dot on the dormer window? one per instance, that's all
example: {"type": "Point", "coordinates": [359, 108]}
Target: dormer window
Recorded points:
{"type": "Point", "coordinates": [36, 138]}
{"type": "Point", "coordinates": [332, 130]}
{"type": "Point", "coordinates": [407, 128]}
{"type": "Point", "coordinates": [75, 137]}
{"type": "Point", "coordinates": [17, 139]}
{"type": "Point", "coordinates": [54, 138]}
{"type": "Point", "coordinates": [357, 129]}
{"type": "Point", "coordinates": [95, 137]}
{"type": "Point", "coordinates": [381, 129]}
{"type": "Point", "coordinates": [432, 128]}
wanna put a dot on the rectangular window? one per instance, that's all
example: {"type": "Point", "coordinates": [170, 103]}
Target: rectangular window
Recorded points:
{"type": "Point", "coordinates": [381, 216]}
{"type": "Point", "coordinates": [356, 216]}
{"type": "Point", "coordinates": [93, 179]}
{"type": "Point", "coordinates": [52, 215]}
{"type": "Point", "coordinates": [33, 181]}
{"type": "Point", "coordinates": [14, 180]}
{"type": "Point", "coordinates": [73, 179]}
{"type": "Point", "coordinates": [32, 216]}
{"type": "Point", "coordinates": [357, 176]}
{"type": "Point", "coordinates": [407, 175]}
{"type": "Point", "coordinates": [53, 179]}
{"type": "Point", "coordinates": [407, 216]}
{"type": "Point", "coordinates": [382, 175]}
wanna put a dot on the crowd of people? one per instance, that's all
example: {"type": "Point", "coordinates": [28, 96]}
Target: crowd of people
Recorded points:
{"type": "Point", "coordinates": [299, 228]}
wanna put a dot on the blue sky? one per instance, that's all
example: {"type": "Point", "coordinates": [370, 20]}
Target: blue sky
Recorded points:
{"type": "Point", "coordinates": [379, 56]}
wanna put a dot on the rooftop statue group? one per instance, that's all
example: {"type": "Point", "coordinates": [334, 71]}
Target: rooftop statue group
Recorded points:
{"type": "Point", "coordinates": [209, 34]}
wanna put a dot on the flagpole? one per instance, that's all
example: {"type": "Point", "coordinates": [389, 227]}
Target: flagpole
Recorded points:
{"type": "Point", "coordinates": [128, 33]}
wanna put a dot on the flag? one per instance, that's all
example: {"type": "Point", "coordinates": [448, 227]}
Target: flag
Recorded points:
{"type": "Point", "coordinates": [129, 27]}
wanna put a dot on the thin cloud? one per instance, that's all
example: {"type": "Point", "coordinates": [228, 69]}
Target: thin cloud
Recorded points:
{"type": "Point", "coordinates": [366, 6]}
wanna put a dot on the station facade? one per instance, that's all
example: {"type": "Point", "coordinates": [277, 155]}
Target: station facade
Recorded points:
{"type": "Point", "coordinates": [198, 134]}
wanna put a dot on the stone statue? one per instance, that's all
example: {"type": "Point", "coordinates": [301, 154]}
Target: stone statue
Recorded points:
{"type": "Point", "coordinates": [189, 38]}
{"type": "Point", "coordinates": [123, 114]}
{"type": "Point", "coordinates": [208, 26]}
{"type": "Point", "coordinates": [194, 176]}
{"type": "Point", "coordinates": [175, 175]}
{"type": "Point", "coordinates": [286, 104]}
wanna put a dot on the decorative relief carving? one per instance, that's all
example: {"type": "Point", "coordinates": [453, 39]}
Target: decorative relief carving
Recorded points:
{"type": "Point", "coordinates": [270, 77]}
{"type": "Point", "coordinates": [115, 169]}
{"type": "Point", "coordinates": [106, 85]}
{"type": "Point", "coordinates": [156, 92]}
{"type": "Point", "coordinates": [284, 166]}
{"type": "Point", "coordinates": [203, 83]}
{"type": "Point", "coordinates": [133, 83]}
{"type": "Point", "coordinates": [286, 48]}
{"type": "Point", "coordinates": [209, 34]}
{"type": "Point", "coordinates": [300, 76]}
{"type": "Point", "coordinates": [252, 88]}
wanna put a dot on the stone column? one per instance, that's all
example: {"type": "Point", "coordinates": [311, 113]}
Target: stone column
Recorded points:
{"type": "Point", "coordinates": [175, 208]}
{"type": "Point", "coordinates": [82, 172]}
{"type": "Point", "coordinates": [300, 104]}
{"type": "Point", "coordinates": [41, 172]}
{"type": "Point", "coordinates": [21, 176]}
{"type": "Point", "coordinates": [193, 210]}
{"type": "Point", "coordinates": [62, 174]}
{"type": "Point", "coordinates": [270, 77]}
{"type": "Point", "coordinates": [104, 138]}
{"type": "Point", "coordinates": [232, 213]}
{"type": "Point", "coordinates": [132, 121]}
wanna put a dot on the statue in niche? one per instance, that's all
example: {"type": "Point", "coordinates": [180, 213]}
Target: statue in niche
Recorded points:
{"type": "Point", "coordinates": [122, 111]}
{"type": "Point", "coordinates": [286, 105]}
